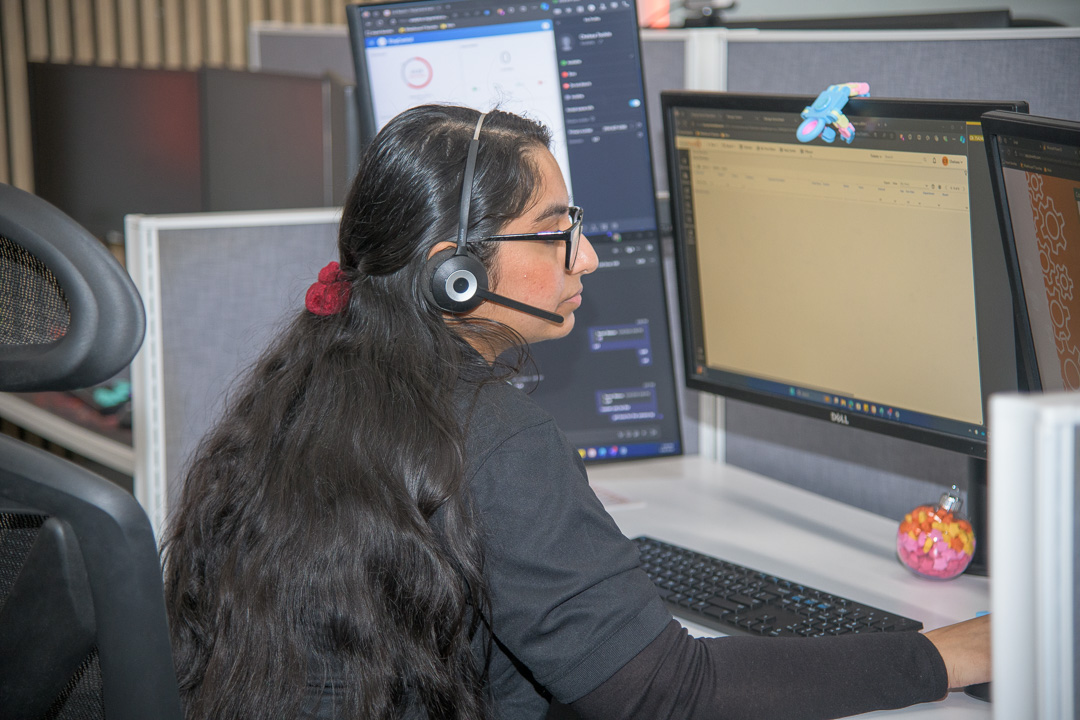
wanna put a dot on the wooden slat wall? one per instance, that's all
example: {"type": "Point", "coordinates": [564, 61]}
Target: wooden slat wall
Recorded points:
{"type": "Point", "coordinates": [133, 33]}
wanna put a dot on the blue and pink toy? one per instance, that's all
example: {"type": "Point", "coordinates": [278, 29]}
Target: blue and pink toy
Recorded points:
{"type": "Point", "coordinates": [824, 115]}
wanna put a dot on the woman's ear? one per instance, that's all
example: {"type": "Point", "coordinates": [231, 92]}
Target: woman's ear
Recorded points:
{"type": "Point", "coordinates": [439, 247]}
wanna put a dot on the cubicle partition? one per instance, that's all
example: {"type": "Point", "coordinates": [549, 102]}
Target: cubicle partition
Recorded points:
{"type": "Point", "coordinates": [1033, 64]}
{"type": "Point", "coordinates": [1036, 65]}
{"type": "Point", "coordinates": [108, 141]}
{"type": "Point", "coordinates": [664, 55]}
{"type": "Point", "coordinates": [216, 287]}
{"type": "Point", "coordinates": [302, 49]}
{"type": "Point", "coordinates": [672, 60]}
{"type": "Point", "coordinates": [884, 475]}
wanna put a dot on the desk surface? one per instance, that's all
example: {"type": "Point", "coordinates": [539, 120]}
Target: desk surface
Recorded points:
{"type": "Point", "coordinates": [771, 526]}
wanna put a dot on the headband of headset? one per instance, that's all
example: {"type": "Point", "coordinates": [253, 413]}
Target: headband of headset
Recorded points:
{"type": "Point", "coordinates": [456, 280]}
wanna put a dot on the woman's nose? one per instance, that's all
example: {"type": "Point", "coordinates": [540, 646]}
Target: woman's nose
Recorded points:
{"type": "Point", "coordinates": [586, 260]}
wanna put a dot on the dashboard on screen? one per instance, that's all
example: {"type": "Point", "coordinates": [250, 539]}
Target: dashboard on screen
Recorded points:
{"type": "Point", "coordinates": [576, 67]}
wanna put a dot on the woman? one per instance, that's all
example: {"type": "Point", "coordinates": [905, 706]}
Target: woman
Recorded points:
{"type": "Point", "coordinates": [381, 526]}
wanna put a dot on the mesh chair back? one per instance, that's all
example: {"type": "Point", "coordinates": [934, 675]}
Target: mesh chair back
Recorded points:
{"type": "Point", "coordinates": [27, 282]}
{"type": "Point", "coordinates": [70, 316]}
{"type": "Point", "coordinates": [83, 631]}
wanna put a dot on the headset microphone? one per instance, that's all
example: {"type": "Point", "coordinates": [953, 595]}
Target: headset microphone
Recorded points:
{"type": "Point", "coordinates": [458, 284]}
{"type": "Point", "coordinates": [519, 306]}
{"type": "Point", "coordinates": [454, 279]}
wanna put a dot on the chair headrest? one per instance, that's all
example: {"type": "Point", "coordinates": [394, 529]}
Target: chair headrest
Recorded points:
{"type": "Point", "coordinates": [70, 316]}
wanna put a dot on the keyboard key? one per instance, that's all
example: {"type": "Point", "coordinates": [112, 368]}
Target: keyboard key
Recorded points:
{"type": "Point", "coordinates": [714, 611]}
{"type": "Point", "coordinates": [746, 600]}
{"type": "Point", "coordinates": [726, 604]}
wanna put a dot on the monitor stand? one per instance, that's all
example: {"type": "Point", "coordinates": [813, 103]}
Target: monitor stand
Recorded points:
{"type": "Point", "coordinates": [976, 512]}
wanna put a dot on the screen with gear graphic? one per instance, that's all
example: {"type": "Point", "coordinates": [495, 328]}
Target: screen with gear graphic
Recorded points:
{"type": "Point", "coordinates": [1042, 184]}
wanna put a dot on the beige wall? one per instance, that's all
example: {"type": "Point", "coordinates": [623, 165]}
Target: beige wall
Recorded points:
{"type": "Point", "coordinates": [133, 33]}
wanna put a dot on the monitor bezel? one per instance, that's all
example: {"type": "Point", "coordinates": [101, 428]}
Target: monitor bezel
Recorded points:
{"type": "Point", "coordinates": [998, 123]}
{"type": "Point", "coordinates": [365, 112]}
{"type": "Point", "coordinates": [965, 110]}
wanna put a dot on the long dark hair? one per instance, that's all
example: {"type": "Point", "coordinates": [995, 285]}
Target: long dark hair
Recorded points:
{"type": "Point", "coordinates": [323, 532]}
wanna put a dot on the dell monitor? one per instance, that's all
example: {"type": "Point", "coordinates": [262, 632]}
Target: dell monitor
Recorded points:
{"type": "Point", "coordinates": [1035, 168]}
{"type": "Point", "coordinates": [861, 283]}
{"type": "Point", "coordinates": [575, 66]}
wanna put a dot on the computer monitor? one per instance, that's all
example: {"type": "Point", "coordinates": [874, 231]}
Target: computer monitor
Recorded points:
{"type": "Point", "coordinates": [108, 141]}
{"type": "Point", "coordinates": [860, 283]}
{"type": "Point", "coordinates": [1034, 598]}
{"type": "Point", "coordinates": [576, 66]}
{"type": "Point", "coordinates": [1035, 168]}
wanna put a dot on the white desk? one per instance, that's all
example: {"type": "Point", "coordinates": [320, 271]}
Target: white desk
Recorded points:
{"type": "Point", "coordinates": [771, 526]}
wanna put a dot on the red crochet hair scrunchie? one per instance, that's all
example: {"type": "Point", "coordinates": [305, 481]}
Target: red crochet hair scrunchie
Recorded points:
{"type": "Point", "coordinates": [330, 294]}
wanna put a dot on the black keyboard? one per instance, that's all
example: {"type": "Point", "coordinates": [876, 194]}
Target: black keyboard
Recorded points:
{"type": "Point", "coordinates": [737, 600]}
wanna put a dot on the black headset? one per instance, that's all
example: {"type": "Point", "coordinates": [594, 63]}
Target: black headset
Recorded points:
{"type": "Point", "coordinates": [454, 279]}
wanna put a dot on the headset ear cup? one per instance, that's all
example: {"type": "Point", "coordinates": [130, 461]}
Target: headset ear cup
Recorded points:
{"type": "Point", "coordinates": [426, 277]}
{"type": "Point", "coordinates": [452, 281]}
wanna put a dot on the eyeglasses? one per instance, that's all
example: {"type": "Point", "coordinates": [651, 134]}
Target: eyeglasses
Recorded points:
{"type": "Point", "coordinates": [571, 236]}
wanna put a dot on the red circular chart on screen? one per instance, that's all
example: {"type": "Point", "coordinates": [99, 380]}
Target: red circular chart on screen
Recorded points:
{"type": "Point", "coordinates": [416, 72]}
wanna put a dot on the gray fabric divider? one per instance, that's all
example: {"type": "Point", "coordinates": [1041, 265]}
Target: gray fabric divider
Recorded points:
{"type": "Point", "coordinates": [1039, 70]}
{"type": "Point", "coordinates": [314, 51]}
{"type": "Point", "coordinates": [302, 49]}
{"type": "Point", "coordinates": [664, 64]}
{"type": "Point", "coordinates": [878, 473]}
{"type": "Point", "coordinates": [884, 475]}
{"type": "Point", "coordinates": [224, 293]}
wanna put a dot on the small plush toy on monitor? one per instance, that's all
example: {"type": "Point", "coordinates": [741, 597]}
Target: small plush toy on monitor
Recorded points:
{"type": "Point", "coordinates": [824, 115]}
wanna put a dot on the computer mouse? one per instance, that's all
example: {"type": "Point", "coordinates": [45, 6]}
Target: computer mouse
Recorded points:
{"type": "Point", "coordinates": [980, 691]}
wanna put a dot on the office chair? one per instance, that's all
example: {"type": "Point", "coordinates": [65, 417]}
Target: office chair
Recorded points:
{"type": "Point", "coordinates": [83, 630]}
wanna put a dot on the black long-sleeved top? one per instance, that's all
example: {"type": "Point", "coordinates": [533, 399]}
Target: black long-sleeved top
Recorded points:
{"type": "Point", "coordinates": [578, 623]}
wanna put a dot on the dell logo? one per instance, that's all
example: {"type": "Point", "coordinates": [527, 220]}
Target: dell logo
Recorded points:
{"type": "Point", "coordinates": [838, 418]}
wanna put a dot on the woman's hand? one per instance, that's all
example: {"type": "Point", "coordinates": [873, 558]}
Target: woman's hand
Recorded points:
{"type": "Point", "coordinates": [965, 648]}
